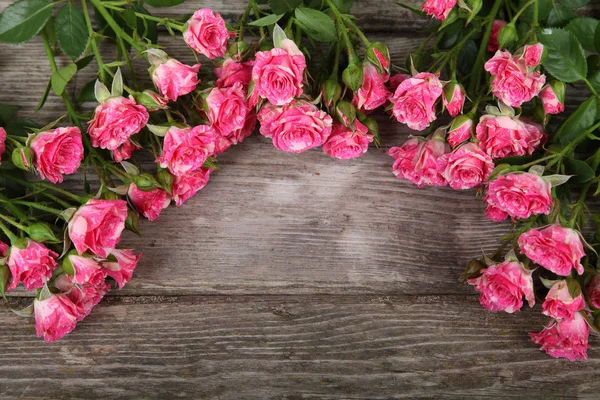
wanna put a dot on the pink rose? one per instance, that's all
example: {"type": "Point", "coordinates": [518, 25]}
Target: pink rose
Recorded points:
{"type": "Point", "coordinates": [593, 291]}
{"type": "Point", "coordinates": [84, 297]}
{"type": "Point", "coordinates": [207, 34]}
{"type": "Point", "coordinates": [227, 109]}
{"type": "Point", "coordinates": [115, 121]}
{"type": "Point", "coordinates": [97, 225]}
{"type": "Point", "coordinates": [3, 249]}
{"type": "Point", "coordinates": [453, 98]}
{"type": "Point", "coordinates": [555, 248]}
{"type": "Point", "coordinates": [550, 100]}
{"type": "Point", "coordinates": [122, 269]}
{"type": "Point", "coordinates": [461, 130]}
{"type": "Point", "coordinates": [396, 80]}
{"type": "Point", "coordinates": [345, 144]}
{"type": "Point", "coordinates": [86, 270]}
{"type": "Point", "coordinates": [406, 157]}
{"type": "Point", "coordinates": [372, 93]}
{"type": "Point", "coordinates": [278, 74]}
{"type": "Point", "coordinates": [502, 287]}
{"type": "Point", "coordinates": [187, 149]}
{"type": "Point", "coordinates": [414, 100]}
{"type": "Point", "coordinates": [505, 136]}
{"type": "Point", "coordinates": [439, 9]}
{"type": "Point", "coordinates": [520, 195]}
{"type": "Point", "coordinates": [187, 185]}
{"type": "Point", "coordinates": [513, 83]}
{"type": "Point", "coordinates": [150, 203]}
{"type": "Point", "coordinates": [223, 142]}
{"type": "Point", "coordinates": [174, 79]}
{"type": "Point", "coordinates": [32, 265]}
{"type": "Point", "coordinates": [566, 339]}
{"type": "Point", "coordinates": [296, 127]}
{"type": "Point", "coordinates": [57, 152]}
{"type": "Point", "coordinates": [533, 54]}
{"type": "Point", "coordinates": [492, 46]}
{"type": "Point", "coordinates": [466, 167]}
{"type": "Point", "coordinates": [2, 143]}
{"type": "Point", "coordinates": [559, 303]}
{"type": "Point", "coordinates": [54, 317]}
{"type": "Point", "coordinates": [232, 72]}
{"type": "Point", "coordinates": [125, 151]}
{"type": "Point", "coordinates": [495, 214]}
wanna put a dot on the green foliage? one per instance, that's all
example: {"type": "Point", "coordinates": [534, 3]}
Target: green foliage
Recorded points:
{"type": "Point", "coordinates": [566, 59]}
{"type": "Point", "coordinates": [316, 24]}
{"type": "Point", "coordinates": [71, 31]}
{"type": "Point", "coordinates": [23, 20]}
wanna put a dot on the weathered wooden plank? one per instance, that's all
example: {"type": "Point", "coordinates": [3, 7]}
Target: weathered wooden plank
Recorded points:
{"type": "Point", "coordinates": [292, 347]}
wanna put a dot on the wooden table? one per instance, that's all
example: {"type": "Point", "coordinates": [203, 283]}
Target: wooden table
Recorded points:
{"type": "Point", "coordinates": [292, 276]}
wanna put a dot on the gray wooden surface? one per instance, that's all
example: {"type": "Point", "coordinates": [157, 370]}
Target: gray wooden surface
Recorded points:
{"type": "Point", "coordinates": [292, 276]}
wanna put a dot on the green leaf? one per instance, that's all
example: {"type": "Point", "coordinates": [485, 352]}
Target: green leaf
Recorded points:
{"type": "Point", "coordinates": [61, 77]}
{"type": "Point", "coordinates": [584, 29]}
{"type": "Point", "coordinates": [44, 97]}
{"type": "Point", "coordinates": [86, 93]}
{"type": "Point", "coordinates": [559, 16]}
{"type": "Point", "coordinates": [71, 31]}
{"type": "Point", "coordinates": [343, 5]}
{"type": "Point", "coordinates": [6, 112]}
{"type": "Point", "coordinates": [129, 17]}
{"type": "Point", "coordinates": [566, 60]}
{"type": "Point", "coordinates": [316, 24]}
{"type": "Point", "coordinates": [574, 3]}
{"type": "Point", "coordinates": [266, 21]}
{"type": "Point", "coordinates": [23, 20]}
{"type": "Point", "coordinates": [84, 62]}
{"type": "Point", "coordinates": [581, 171]}
{"type": "Point", "coordinates": [544, 8]}
{"type": "Point", "coordinates": [4, 279]}
{"type": "Point", "coordinates": [594, 79]}
{"type": "Point", "coordinates": [163, 3]}
{"type": "Point", "coordinates": [145, 28]}
{"type": "Point", "coordinates": [283, 6]}
{"type": "Point", "coordinates": [576, 125]}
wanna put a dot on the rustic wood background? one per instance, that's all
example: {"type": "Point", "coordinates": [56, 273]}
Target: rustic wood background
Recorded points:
{"type": "Point", "coordinates": [292, 276]}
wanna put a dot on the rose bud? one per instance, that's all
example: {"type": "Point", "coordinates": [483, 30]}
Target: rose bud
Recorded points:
{"type": "Point", "coordinates": [132, 221]}
{"type": "Point", "coordinates": [185, 150]}
{"type": "Point", "coordinates": [379, 55]}
{"type": "Point", "coordinates": [232, 72]}
{"type": "Point", "coordinates": [125, 151]}
{"type": "Point", "coordinates": [396, 80]}
{"type": "Point", "coordinates": [227, 109]}
{"type": "Point", "coordinates": [513, 83]}
{"type": "Point", "coordinates": [414, 100]}
{"type": "Point", "coordinates": [503, 286]}
{"type": "Point", "coordinates": [372, 93]}
{"type": "Point", "coordinates": [2, 143]}
{"type": "Point", "coordinates": [461, 129]}
{"type": "Point", "coordinates": [559, 303]}
{"type": "Point", "coordinates": [184, 187]}
{"type": "Point", "coordinates": [146, 182]}
{"type": "Point", "coordinates": [345, 113]}
{"type": "Point", "coordinates": [165, 180]}
{"type": "Point", "coordinates": [83, 269]}
{"type": "Point", "coordinates": [297, 127]}
{"type": "Point", "coordinates": [57, 152]}
{"type": "Point", "coordinates": [492, 46]}
{"type": "Point", "coordinates": [121, 269]}
{"type": "Point", "coordinates": [41, 232]}
{"type": "Point", "coordinates": [505, 136]}
{"type": "Point", "coordinates": [150, 203]}
{"type": "Point", "coordinates": [278, 74]}
{"type": "Point", "coordinates": [453, 98]}
{"type": "Point", "coordinates": [22, 158]}
{"type": "Point", "coordinates": [439, 9]}
{"type": "Point", "coordinates": [30, 262]}
{"type": "Point", "coordinates": [353, 76]}
{"type": "Point", "coordinates": [54, 317]}
{"type": "Point", "coordinates": [520, 195]}
{"type": "Point", "coordinates": [466, 167]}
{"type": "Point", "coordinates": [495, 214]}
{"type": "Point", "coordinates": [151, 100]}
{"type": "Point", "coordinates": [207, 33]}
{"type": "Point", "coordinates": [331, 92]}
{"type": "Point", "coordinates": [174, 79]}
{"type": "Point", "coordinates": [593, 291]}
{"type": "Point", "coordinates": [534, 54]}
{"type": "Point", "coordinates": [115, 120]}
{"type": "Point", "coordinates": [345, 143]}
{"type": "Point", "coordinates": [97, 225]}
{"type": "Point", "coordinates": [566, 339]}
{"type": "Point", "coordinates": [555, 248]}
{"type": "Point", "coordinates": [553, 97]}
{"type": "Point", "coordinates": [507, 35]}
{"type": "Point", "coordinates": [223, 142]}
{"type": "Point", "coordinates": [238, 50]}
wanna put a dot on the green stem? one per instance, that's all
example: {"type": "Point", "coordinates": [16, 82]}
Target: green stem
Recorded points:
{"type": "Point", "coordinates": [241, 25]}
{"type": "Point", "coordinates": [37, 206]}
{"type": "Point", "coordinates": [11, 236]}
{"type": "Point", "coordinates": [16, 211]}
{"type": "Point", "coordinates": [115, 27]}
{"type": "Point", "coordinates": [94, 44]}
{"type": "Point", "coordinates": [522, 10]}
{"type": "Point", "coordinates": [13, 223]}
{"type": "Point", "coordinates": [343, 31]}
{"type": "Point", "coordinates": [572, 145]}
{"type": "Point", "coordinates": [357, 30]}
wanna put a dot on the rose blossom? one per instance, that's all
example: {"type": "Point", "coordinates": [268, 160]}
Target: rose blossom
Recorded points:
{"type": "Point", "coordinates": [345, 144]}
{"type": "Point", "coordinates": [115, 120]}
{"type": "Point", "coordinates": [466, 167]}
{"type": "Point", "coordinates": [461, 130]}
{"type": "Point", "coordinates": [223, 142]}
{"type": "Point", "coordinates": [150, 203]}
{"type": "Point", "coordinates": [32, 265]}
{"type": "Point", "coordinates": [86, 270]}
{"type": "Point", "coordinates": [406, 157]}
{"type": "Point", "coordinates": [520, 195]}
{"type": "Point", "coordinates": [84, 297]}
{"type": "Point", "coordinates": [57, 152]}
{"type": "Point", "coordinates": [372, 93]}
{"type": "Point", "coordinates": [396, 80]}
{"type": "Point", "coordinates": [559, 303]}
{"type": "Point", "coordinates": [439, 9]}
{"type": "Point", "coordinates": [54, 317]}
{"type": "Point", "coordinates": [555, 248]}
{"type": "Point", "coordinates": [174, 79]}
{"type": "Point", "coordinates": [125, 151]}
{"type": "Point", "coordinates": [185, 150]}
{"type": "Point", "coordinates": [505, 136]}
{"type": "Point", "coordinates": [513, 83]}
{"type": "Point", "coordinates": [453, 98]}
{"type": "Point", "coordinates": [232, 72]}
{"type": "Point", "coordinates": [3, 249]}
{"type": "Point", "coordinates": [503, 286]}
{"type": "Point", "coordinates": [296, 127]}
{"type": "Point", "coordinates": [492, 46]}
{"type": "Point", "coordinates": [593, 291]}
{"type": "Point", "coordinates": [278, 74]}
{"type": "Point", "coordinates": [2, 143]}
{"type": "Point", "coordinates": [550, 100]}
{"type": "Point", "coordinates": [206, 33]}
{"type": "Point", "coordinates": [97, 225]}
{"type": "Point", "coordinates": [495, 214]}
{"type": "Point", "coordinates": [122, 269]}
{"type": "Point", "coordinates": [414, 100]}
{"type": "Point", "coordinates": [533, 54]}
{"type": "Point", "coordinates": [566, 339]}
{"type": "Point", "coordinates": [187, 185]}
{"type": "Point", "coordinates": [227, 109]}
